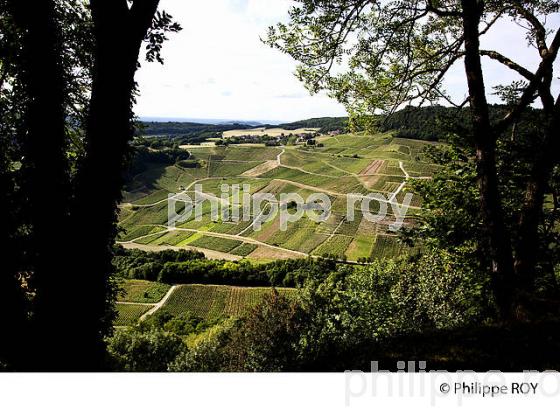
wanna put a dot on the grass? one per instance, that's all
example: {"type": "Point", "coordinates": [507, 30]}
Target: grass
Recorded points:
{"type": "Point", "coordinates": [360, 248]}
{"type": "Point", "coordinates": [154, 215]}
{"type": "Point", "coordinates": [128, 315]}
{"type": "Point", "coordinates": [230, 228]}
{"type": "Point", "coordinates": [142, 291]}
{"type": "Point", "coordinates": [249, 153]}
{"type": "Point", "coordinates": [150, 239]}
{"type": "Point", "coordinates": [230, 169]}
{"type": "Point", "coordinates": [152, 198]}
{"type": "Point", "coordinates": [215, 301]}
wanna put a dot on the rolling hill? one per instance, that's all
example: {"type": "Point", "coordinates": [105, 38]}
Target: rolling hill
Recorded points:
{"type": "Point", "coordinates": [337, 166]}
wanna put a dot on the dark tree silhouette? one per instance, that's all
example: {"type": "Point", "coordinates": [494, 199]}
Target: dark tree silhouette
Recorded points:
{"type": "Point", "coordinates": [118, 32]}
{"type": "Point", "coordinates": [69, 283]}
{"type": "Point", "coordinates": [44, 172]}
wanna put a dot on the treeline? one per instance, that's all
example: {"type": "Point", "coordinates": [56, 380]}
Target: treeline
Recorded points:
{"type": "Point", "coordinates": [267, 140]}
{"type": "Point", "coordinates": [187, 266]}
{"type": "Point", "coordinates": [433, 123]}
{"type": "Point", "coordinates": [325, 124]}
{"type": "Point", "coordinates": [186, 132]}
{"type": "Point", "coordinates": [194, 133]}
{"type": "Point", "coordinates": [147, 151]}
{"type": "Point", "coordinates": [436, 122]}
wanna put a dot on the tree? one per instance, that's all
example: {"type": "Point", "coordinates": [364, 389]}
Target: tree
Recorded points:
{"type": "Point", "coordinates": [119, 30]}
{"type": "Point", "coordinates": [399, 52]}
{"type": "Point", "coordinates": [64, 146]}
{"type": "Point", "coordinates": [43, 174]}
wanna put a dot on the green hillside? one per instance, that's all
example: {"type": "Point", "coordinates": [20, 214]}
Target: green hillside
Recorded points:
{"type": "Point", "coordinates": [337, 166]}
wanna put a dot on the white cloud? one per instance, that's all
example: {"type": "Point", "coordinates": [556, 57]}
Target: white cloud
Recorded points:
{"type": "Point", "coordinates": [218, 68]}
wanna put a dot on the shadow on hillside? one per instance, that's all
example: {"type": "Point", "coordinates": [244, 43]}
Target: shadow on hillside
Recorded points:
{"type": "Point", "coordinates": [516, 348]}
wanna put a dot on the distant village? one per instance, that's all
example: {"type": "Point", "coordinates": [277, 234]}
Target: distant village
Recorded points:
{"type": "Point", "coordinates": [299, 138]}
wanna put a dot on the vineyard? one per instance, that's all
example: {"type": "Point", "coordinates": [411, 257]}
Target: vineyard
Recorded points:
{"type": "Point", "coordinates": [128, 315]}
{"type": "Point", "coordinates": [215, 301]}
{"type": "Point", "coordinates": [337, 166]}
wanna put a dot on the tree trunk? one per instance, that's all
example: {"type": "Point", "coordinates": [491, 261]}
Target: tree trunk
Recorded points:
{"type": "Point", "coordinates": [119, 32]}
{"type": "Point", "coordinates": [527, 246]}
{"type": "Point", "coordinates": [44, 169]}
{"type": "Point", "coordinates": [499, 240]}
{"type": "Point", "coordinates": [14, 324]}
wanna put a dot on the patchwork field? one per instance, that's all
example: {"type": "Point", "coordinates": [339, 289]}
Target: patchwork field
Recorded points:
{"type": "Point", "coordinates": [215, 301]}
{"type": "Point", "coordinates": [342, 167]}
{"type": "Point", "coordinates": [208, 302]}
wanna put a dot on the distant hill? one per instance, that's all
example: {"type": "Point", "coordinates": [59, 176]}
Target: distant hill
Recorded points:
{"type": "Point", "coordinates": [325, 124]}
{"type": "Point", "coordinates": [211, 121]}
{"type": "Point", "coordinates": [186, 132]}
{"type": "Point", "coordinates": [194, 132]}
{"type": "Point", "coordinates": [431, 123]}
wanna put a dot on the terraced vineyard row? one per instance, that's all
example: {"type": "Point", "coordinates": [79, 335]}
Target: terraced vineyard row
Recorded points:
{"type": "Point", "coordinates": [215, 301]}
{"type": "Point", "coordinates": [343, 164]}
{"type": "Point", "coordinates": [128, 315]}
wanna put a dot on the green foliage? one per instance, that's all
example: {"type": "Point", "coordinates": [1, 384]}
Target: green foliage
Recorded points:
{"type": "Point", "coordinates": [147, 152]}
{"type": "Point", "coordinates": [135, 264]}
{"type": "Point", "coordinates": [268, 340]}
{"type": "Point", "coordinates": [450, 200]}
{"type": "Point", "coordinates": [208, 354]}
{"type": "Point", "coordinates": [332, 318]}
{"type": "Point", "coordinates": [325, 124]}
{"type": "Point", "coordinates": [182, 324]}
{"type": "Point", "coordinates": [450, 218]}
{"type": "Point", "coordinates": [136, 351]}
{"type": "Point", "coordinates": [191, 267]}
{"type": "Point", "coordinates": [185, 132]}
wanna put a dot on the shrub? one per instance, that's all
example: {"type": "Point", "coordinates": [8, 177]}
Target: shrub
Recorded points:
{"type": "Point", "coordinates": [134, 351]}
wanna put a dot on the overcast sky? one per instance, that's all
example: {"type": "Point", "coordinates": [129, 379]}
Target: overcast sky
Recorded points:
{"type": "Point", "coordinates": [217, 68]}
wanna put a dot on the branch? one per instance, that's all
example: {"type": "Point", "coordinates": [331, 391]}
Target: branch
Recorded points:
{"type": "Point", "coordinates": [529, 95]}
{"type": "Point", "coordinates": [141, 16]}
{"type": "Point", "coordinates": [540, 31]}
{"type": "Point", "coordinates": [494, 55]}
{"type": "Point", "coordinates": [439, 12]}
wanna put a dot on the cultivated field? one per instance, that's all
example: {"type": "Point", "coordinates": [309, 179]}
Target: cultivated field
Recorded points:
{"type": "Point", "coordinates": [204, 301]}
{"type": "Point", "coordinates": [128, 315]}
{"type": "Point", "coordinates": [273, 132]}
{"type": "Point", "coordinates": [142, 291]}
{"type": "Point", "coordinates": [342, 165]}
{"type": "Point", "coordinates": [216, 301]}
